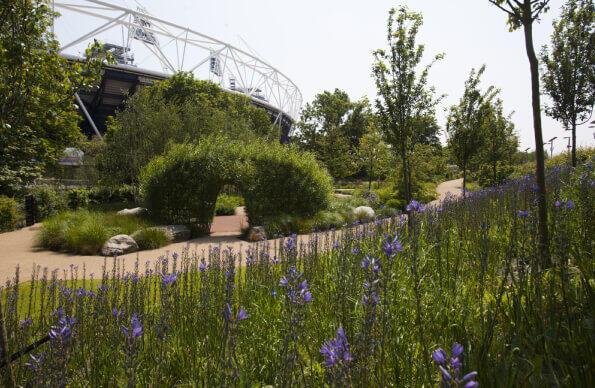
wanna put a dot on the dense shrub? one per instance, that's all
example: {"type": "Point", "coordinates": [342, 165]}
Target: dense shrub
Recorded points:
{"type": "Point", "coordinates": [283, 180]}
{"type": "Point", "coordinates": [84, 231]}
{"type": "Point", "coordinates": [10, 216]}
{"type": "Point", "coordinates": [183, 185]}
{"type": "Point", "coordinates": [151, 238]}
{"type": "Point", "coordinates": [49, 201]}
{"type": "Point", "coordinates": [113, 194]}
{"type": "Point", "coordinates": [227, 204]}
{"type": "Point", "coordinates": [78, 198]}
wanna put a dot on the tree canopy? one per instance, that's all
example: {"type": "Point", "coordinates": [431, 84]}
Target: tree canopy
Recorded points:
{"type": "Point", "coordinates": [177, 110]}
{"type": "Point", "coordinates": [569, 67]}
{"type": "Point", "coordinates": [38, 117]}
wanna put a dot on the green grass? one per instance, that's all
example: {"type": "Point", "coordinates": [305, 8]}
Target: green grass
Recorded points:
{"type": "Point", "coordinates": [84, 232]}
{"type": "Point", "coordinates": [151, 238]}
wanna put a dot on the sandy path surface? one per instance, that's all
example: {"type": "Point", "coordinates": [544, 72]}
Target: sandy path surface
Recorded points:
{"type": "Point", "coordinates": [17, 247]}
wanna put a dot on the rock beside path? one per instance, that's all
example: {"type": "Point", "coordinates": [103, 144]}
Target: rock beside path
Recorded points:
{"type": "Point", "coordinates": [132, 212]}
{"type": "Point", "coordinates": [118, 245]}
{"type": "Point", "coordinates": [177, 233]}
{"type": "Point", "coordinates": [256, 233]}
{"type": "Point", "coordinates": [364, 213]}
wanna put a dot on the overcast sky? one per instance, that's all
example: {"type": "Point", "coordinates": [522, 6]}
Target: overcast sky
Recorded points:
{"type": "Point", "coordinates": [327, 44]}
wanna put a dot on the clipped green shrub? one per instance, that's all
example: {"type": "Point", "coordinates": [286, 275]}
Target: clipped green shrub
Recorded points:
{"type": "Point", "coordinates": [283, 180]}
{"type": "Point", "coordinates": [151, 238]}
{"type": "Point", "coordinates": [10, 216]}
{"type": "Point", "coordinates": [183, 184]}
{"type": "Point", "coordinates": [113, 194]}
{"type": "Point", "coordinates": [78, 198]}
{"type": "Point", "coordinates": [49, 201]}
{"type": "Point", "coordinates": [227, 204]}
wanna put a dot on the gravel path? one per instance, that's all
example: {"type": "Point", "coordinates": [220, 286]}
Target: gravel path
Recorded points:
{"type": "Point", "coordinates": [16, 248]}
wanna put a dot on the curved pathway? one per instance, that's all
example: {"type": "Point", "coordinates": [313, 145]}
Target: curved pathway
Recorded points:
{"type": "Point", "coordinates": [16, 248]}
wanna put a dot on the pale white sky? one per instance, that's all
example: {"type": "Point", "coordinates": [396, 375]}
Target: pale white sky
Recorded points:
{"type": "Point", "coordinates": [327, 44]}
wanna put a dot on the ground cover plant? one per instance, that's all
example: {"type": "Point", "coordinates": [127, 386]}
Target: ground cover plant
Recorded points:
{"type": "Point", "coordinates": [377, 304]}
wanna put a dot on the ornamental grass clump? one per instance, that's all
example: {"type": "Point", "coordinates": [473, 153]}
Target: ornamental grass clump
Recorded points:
{"type": "Point", "coordinates": [367, 305]}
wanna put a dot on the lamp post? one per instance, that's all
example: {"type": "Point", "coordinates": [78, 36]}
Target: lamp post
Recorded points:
{"type": "Point", "coordinates": [551, 143]}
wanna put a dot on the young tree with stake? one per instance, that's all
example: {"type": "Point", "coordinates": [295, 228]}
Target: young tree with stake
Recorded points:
{"type": "Point", "coordinates": [569, 67]}
{"type": "Point", "coordinates": [523, 13]}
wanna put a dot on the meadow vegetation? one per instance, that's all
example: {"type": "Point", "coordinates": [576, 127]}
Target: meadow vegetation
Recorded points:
{"type": "Point", "coordinates": [374, 304]}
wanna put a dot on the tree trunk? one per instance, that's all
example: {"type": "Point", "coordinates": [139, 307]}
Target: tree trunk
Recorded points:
{"type": "Point", "coordinates": [574, 143]}
{"type": "Point", "coordinates": [464, 180]}
{"type": "Point", "coordinates": [539, 152]}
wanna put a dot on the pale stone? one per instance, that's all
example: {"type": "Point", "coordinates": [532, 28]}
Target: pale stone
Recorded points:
{"type": "Point", "coordinates": [364, 213]}
{"type": "Point", "coordinates": [132, 212]}
{"type": "Point", "coordinates": [119, 245]}
{"type": "Point", "coordinates": [256, 233]}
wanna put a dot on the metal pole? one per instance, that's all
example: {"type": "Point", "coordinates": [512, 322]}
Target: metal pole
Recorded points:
{"type": "Point", "coordinates": [87, 115]}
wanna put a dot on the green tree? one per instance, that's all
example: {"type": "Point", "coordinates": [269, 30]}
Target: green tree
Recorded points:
{"type": "Point", "coordinates": [374, 154]}
{"type": "Point", "coordinates": [331, 127]}
{"type": "Point", "coordinates": [523, 13]}
{"type": "Point", "coordinates": [499, 144]}
{"type": "Point", "coordinates": [38, 118]}
{"type": "Point", "coordinates": [404, 97]}
{"type": "Point", "coordinates": [569, 68]}
{"type": "Point", "coordinates": [177, 110]}
{"type": "Point", "coordinates": [464, 125]}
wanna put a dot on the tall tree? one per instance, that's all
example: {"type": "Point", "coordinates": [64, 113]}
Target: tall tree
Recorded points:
{"type": "Point", "coordinates": [523, 13]}
{"type": "Point", "coordinates": [499, 143]}
{"type": "Point", "coordinates": [569, 68]}
{"type": "Point", "coordinates": [331, 126]}
{"type": "Point", "coordinates": [404, 96]}
{"type": "Point", "coordinates": [38, 118]}
{"type": "Point", "coordinates": [464, 125]}
{"type": "Point", "coordinates": [374, 154]}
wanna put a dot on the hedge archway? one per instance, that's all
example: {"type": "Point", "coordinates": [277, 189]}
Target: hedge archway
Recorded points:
{"type": "Point", "coordinates": [182, 185]}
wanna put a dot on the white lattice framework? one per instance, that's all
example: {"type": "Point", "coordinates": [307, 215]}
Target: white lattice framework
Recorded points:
{"type": "Point", "coordinates": [170, 48]}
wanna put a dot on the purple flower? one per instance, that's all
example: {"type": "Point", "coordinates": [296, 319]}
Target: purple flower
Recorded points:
{"type": "Point", "coordinates": [569, 204]}
{"type": "Point", "coordinates": [297, 293]}
{"type": "Point", "coordinates": [439, 356]}
{"type": "Point", "coordinates": [523, 213]}
{"type": "Point", "coordinates": [415, 206]}
{"type": "Point", "coordinates": [336, 350]}
{"type": "Point", "coordinates": [242, 314]}
{"type": "Point", "coordinates": [391, 246]}
{"type": "Point", "coordinates": [25, 323]}
{"type": "Point", "coordinates": [283, 282]}
{"type": "Point", "coordinates": [135, 330]}
{"type": "Point", "coordinates": [202, 267]}
{"type": "Point", "coordinates": [168, 279]}
{"type": "Point", "coordinates": [274, 293]}
{"type": "Point", "coordinates": [557, 204]}
{"type": "Point", "coordinates": [63, 330]}
{"type": "Point", "coordinates": [457, 349]}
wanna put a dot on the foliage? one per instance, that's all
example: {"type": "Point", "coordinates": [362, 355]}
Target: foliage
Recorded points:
{"type": "Point", "coordinates": [331, 127]}
{"type": "Point", "coordinates": [37, 116]}
{"type": "Point", "coordinates": [400, 291]}
{"type": "Point", "coordinates": [84, 232]}
{"type": "Point", "coordinates": [78, 198]}
{"type": "Point", "coordinates": [569, 76]}
{"type": "Point", "coordinates": [182, 185]}
{"type": "Point", "coordinates": [374, 155]}
{"type": "Point", "coordinates": [49, 201]}
{"type": "Point", "coordinates": [524, 13]}
{"type": "Point", "coordinates": [226, 204]}
{"type": "Point", "coordinates": [283, 180]}
{"type": "Point", "coordinates": [10, 214]}
{"type": "Point", "coordinates": [151, 238]}
{"type": "Point", "coordinates": [177, 110]}
{"type": "Point", "coordinates": [499, 144]}
{"type": "Point", "coordinates": [405, 101]}
{"type": "Point", "coordinates": [465, 122]}
{"type": "Point", "coordinates": [583, 156]}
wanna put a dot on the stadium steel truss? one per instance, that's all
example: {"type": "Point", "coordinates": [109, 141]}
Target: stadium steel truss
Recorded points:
{"type": "Point", "coordinates": [166, 48]}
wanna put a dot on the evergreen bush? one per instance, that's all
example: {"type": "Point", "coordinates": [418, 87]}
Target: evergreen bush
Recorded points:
{"type": "Point", "coordinates": [10, 216]}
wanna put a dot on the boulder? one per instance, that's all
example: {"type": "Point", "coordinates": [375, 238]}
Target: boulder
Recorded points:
{"type": "Point", "coordinates": [256, 233]}
{"type": "Point", "coordinates": [132, 212]}
{"type": "Point", "coordinates": [176, 232]}
{"type": "Point", "coordinates": [364, 213]}
{"type": "Point", "coordinates": [119, 245]}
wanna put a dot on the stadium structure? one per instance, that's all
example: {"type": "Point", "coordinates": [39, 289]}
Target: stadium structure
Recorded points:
{"type": "Point", "coordinates": [164, 48]}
